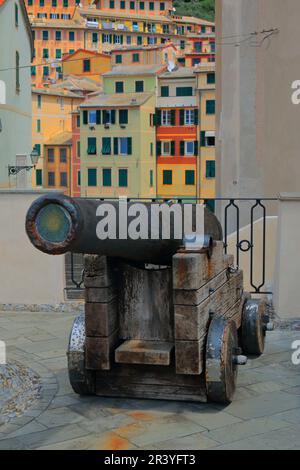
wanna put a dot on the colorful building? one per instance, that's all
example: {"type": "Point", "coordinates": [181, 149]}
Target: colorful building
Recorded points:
{"type": "Point", "coordinates": [57, 162]}
{"type": "Point", "coordinates": [206, 95]}
{"type": "Point", "coordinates": [177, 119]}
{"type": "Point", "coordinates": [131, 79]}
{"type": "Point", "coordinates": [53, 9]}
{"type": "Point", "coordinates": [154, 7]}
{"type": "Point", "coordinates": [89, 64]}
{"type": "Point", "coordinates": [51, 116]}
{"type": "Point", "coordinates": [15, 92]}
{"type": "Point", "coordinates": [117, 145]}
{"type": "Point", "coordinates": [75, 155]}
{"type": "Point", "coordinates": [160, 54]}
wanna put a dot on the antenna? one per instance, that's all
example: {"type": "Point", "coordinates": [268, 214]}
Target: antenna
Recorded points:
{"type": "Point", "coordinates": [171, 66]}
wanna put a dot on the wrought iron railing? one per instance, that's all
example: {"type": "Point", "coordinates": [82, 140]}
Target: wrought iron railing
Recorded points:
{"type": "Point", "coordinates": [233, 228]}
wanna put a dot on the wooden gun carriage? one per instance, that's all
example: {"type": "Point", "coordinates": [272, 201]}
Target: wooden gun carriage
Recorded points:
{"type": "Point", "coordinates": [176, 329]}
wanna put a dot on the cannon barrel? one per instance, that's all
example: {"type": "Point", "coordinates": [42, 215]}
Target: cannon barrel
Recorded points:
{"type": "Point", "coordinates": [60, 224]}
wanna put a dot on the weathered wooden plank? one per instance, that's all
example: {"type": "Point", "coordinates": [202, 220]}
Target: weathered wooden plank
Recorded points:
{"type": "Point", "coordinates": [100, 294]}
{"type": "Point", "coordinates": [193, 270]}
{"type": "Point", "coordinates": [188, 356]}
{"type": "Point", "coordinates": [101, 319]}
{"type": "Point", "coordinates": [98, 271]}
{"type": "Point", "coordinates": [99, 351]}
{"type": "Point", "coordinates": [144, 352]}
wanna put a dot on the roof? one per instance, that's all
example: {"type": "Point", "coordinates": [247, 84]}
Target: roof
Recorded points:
{"type": "Point", "coordinates": [61, 24]}
{"type": "Point", "coordinates": [132, 70]}
{"type": "Point", "coordinates": [77, 84]}
{"type": "Point", "coordinates": [54, 91]}
{"type": "Point", "coordinates": [205, 67]}
{"type": "Point", "coordinates": [86, 51]}
{"type": "Point", "coordinates": [180, 72]}
{"type": "Point", "coordinates": [193, 20]}
{"type": "Point", "coordinates": [63, 138]}
{"type": "Point", "coordinates": [107, 14]}
{"type": "Point", "coordinates": [117, 100]}
{"type": "Point", "coordinates": [143, 48]}
{"type": "Point", "coordinates": [27, 23]}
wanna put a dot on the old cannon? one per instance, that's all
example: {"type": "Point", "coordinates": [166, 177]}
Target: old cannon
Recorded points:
{"type": "Point", "coordinates": [163, 318]}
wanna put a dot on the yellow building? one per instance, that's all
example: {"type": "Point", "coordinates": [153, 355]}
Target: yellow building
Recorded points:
{"type": "Point", "coordinates": [51, 115]}
{"type": "Point", "coordinates": [84, 63]}
{"type": "Point", "coordinates": [160, 54]}
{"type": "Point", "coordinates": [206, 90]}
{"type": "Point", "coordinates": [57, 162]}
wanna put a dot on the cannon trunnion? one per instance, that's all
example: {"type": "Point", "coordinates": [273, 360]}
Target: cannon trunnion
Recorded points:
{"type": "Point", "coordinates": [176, 329]}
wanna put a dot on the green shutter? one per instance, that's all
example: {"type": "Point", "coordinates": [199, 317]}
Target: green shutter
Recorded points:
{"type": "Point", "coordinates": [78, 178]}
{"type": "Point", "coordinates": [182, 152]}
{"type": "Point", "coordinates": [116, 146]}
{"type": "Point", "coordinates": [202, 139]}
{"type": "Point", "coordinates": [106, 177]}
{"type": "Point", "coordinates": [167, 177]}
{"type": "Point", "coordinates": [184, 91]}
{"type": "Point", "coordinates": [92, 177]}
{"type": "Point", "coordinates": [123, 116]}
{"type": "Point", "coordinates": [173, 117]}
{"type": "Point", "coordinates": [123, 178]}
{"type": "Point", "coordinates": [210, 107]}
{"type": "Point", "coordinates": [210, 169]}
{"type": "Point", "coordinates": [211, 78]}
{"type": "Point", "coordinates": [37, 148]}
{"type": "Point", "coordinates": [92, 146]}
{"type": "Point", "coordinates": [129, 146]}
{"type": "Point", "coordinates": [98, 116]}
{"type": "Point", "coordinates": [106, 146]}
{"type": "Point", "coordinates": [151, 178]}
{"type": "Point", "coordinates": [164, 91]}
{"type": "Point", "coordinates": [158, 148]}
{"type": "Point", "coordinates": [196, 117]}
{"type": "Point", "coordinates": [158, 117]}
{"type": "Point", "coordinates": [104, 116]}
{"type": "Point", "coordinates": [38, 177]}
{"type": "Point", "coordinates": [113, 116]}
{"type": "Point", "coordinates": [173, 148]}
{"type": "Point", "coordinates": [196, 148]}
{"type": "Point", "coordinates": [182, 117]}
{"type": "Point", "coordinates": [85, 117]}
{"type": "Point", "coordinates": [189, 177]}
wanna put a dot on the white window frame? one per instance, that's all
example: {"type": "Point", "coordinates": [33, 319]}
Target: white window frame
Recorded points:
{"type": "Point", "coordinates": [95, 114]}
{"type": "Point", "coordinates": [106, 39]}
{"type": "Point", "coordinates": [188, 154]}
{"type": "Point", "coordinates": [166, 117]}
{"type": "Point", "coordinates": [189, 117]}
{"type": "Point", "coordinates": [117, 39]}
{"type": "Point", "coordinates": [119, 146]}
{"type": "Point", "coordinates": [166, 152]}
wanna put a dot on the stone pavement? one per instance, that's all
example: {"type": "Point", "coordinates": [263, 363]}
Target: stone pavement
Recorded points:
{"type": "Point", "coordinates": [264, 415]}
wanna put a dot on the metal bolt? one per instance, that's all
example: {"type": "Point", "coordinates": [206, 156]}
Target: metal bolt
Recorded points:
{"type": "Point", "coordinates": [269, 326]}
{"type": "Point", "coordinates": [240, 360]}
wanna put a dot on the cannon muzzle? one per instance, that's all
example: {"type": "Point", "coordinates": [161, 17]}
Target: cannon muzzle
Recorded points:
{"type": "Point", "coordinates": [60, 224]}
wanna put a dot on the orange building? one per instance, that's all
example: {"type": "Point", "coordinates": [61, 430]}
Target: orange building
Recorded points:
{"type": "Point", "coordinates": [202, 50]}
{"type": "Point", "coordinates": [154, 7]}
{"type": "Point", "coordinates": [57, 162]}
{"type": "Point", "coordinates": [177, 134]}
{"type": "Point", "coordinates": [53, 9]}
{"type": "Point", "coordinates": [84, 63]}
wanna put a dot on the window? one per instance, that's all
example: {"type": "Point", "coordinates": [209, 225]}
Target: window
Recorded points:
{"type": "Point", "coordinates": [95, 38]}
{"type": "Point", "coordinates": [71, 36]}
{"type": "Point", "coordinates": [166, 148]}
{"type": "Point", "coordinates": [122, 146]}
{"type": "Point", "coordinates": [92, 146]}
{"type": "Point", "coordinates": [184, 91]}
{"type": "Point", "coordinates": [45, 53]}
{"type": "Point", "coordinates": [135, 57]}
{"type": "Point", "coordinates": [198, 47]}
{"type": "Point", "coordinates": [16, 15]}
{"type": "Point", "coordinates": [139, 86]}
{"type": "Point", "coordinates": [106, 146]}
{"type": "Point", "coordinates": [189, 117]}
{"type": "Point", "coordinates": [119, 87]}
{"type": "Point", "coordinates": [164, 91]}
{"type": "Point", "coordinates": [57, 35]}
{"type": "Point", "coordinates": [182, 45]}
{"type": "Point", "coordinates": [166, 29]}
{"type": "Point", "coordinates": [106, 38]}
{"type": "Point", "coordinates": [123, 116]}
{"type": "Point", "coordinates": [78, 120]}
{"type": "Point", "coordinates": [211, 78]}
{"type": "Point", "coordinates": [119, 59]}
{"type": "Point", "coordinates": [210, 107]}
{"type": "Point", "coordinates": [151, 149]}
{"type": "Point", "coordinates": [207, 138]}
{"type": "Point", "coordinates": [63, 155]}
{"type": "Point", "coordinates": [54, 3]}
{"type": "Point", "coordinates": [45, 71]}
{"type": "Point", "coordinates": [54, 16]}
{"type": "Point", "coordinates": [106, 177]}
{"type": "Point", "coordinates": [65, 3]}
{"type": "Point", "coordinates": [38, 177]}
{"type": "Point", "coordinates": [58, 54]}
{"type": "Point", "coordinates": [132, 5]}
{"type": "Point", "coordinates": [142, 5]}
{"type": "Point", "coordinates": [92, 117]}
{"type": "Point", "coordinates": [78, 149]}
{"type": "Point", "coordinates": [33, 70]}
{"type": "Point", "coordinates": [151, 6]}
{"type": "Point", "coordinates": [128, 40]}
{"type": "Point", "coordinates": [118, 39]}
{"type": "Point", "coordinates": [42, 3]}
{"type": "Point", "coordinates": [122, 5]}
{"type": "Point", "coordinates": [123, 178]}
{"type": "Point", "coordinates": [109, 116]}
{"type": "Point", "coordinates": [78, 178]}
{"type": "Point", "coordinates": [166, 118]}
{"type": "Point", "coordinates": [38, 125]}
{"type": "Point", "coordinates": [167, 177]}
{"type": "Point", "coordinates": [42, 15]}
{"type": "Point", "coordinates": [189, 148]}
{"type": "Point", "coordinates": [86, 65]}
{"type": "Point", "coordinates": [29, 3]}
{"type": "Point", "coordinates": [51, 178]}
{"type": "Point", "coordinates": [151, 178]}
{"type": "Point", "coordinates": [111, 4]}
{"type": "Point", "coordinates": [63, 179]}
{"type": "Point", "coordinates": [162, 6]}
{"type": "Point", "coordinates": [39, 101]}
{"type": "Point", "coordinates": [210, 169]}
{"type": "Point", "coordinates": [45, 35]}
{"type": "Point", "coordinates": [50, 155]}
{"type": "Point", "coordinates": [92, 177]}
{"type": "Point", "coordinates": [190, 177]}
{"type": "Point", "coordinates": [17, 72]}
{"type": "Point", "coordinates": [66, 16]}
{"type": "Point", "coordinates": [71, 51]}
{"type": "Point", "coordinates": [37, 148]}
{"type": "Point", "coordinates": [203, 29]}
{"type": "Point", "coordinates": [139, 40]}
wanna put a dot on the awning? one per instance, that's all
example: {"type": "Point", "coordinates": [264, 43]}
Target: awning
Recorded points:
{"type": "Point", "coordinates": [210, 133]}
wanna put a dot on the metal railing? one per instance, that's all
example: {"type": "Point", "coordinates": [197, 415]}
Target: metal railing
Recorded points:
{"type": "Point", "coordinates": [231, 228]}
